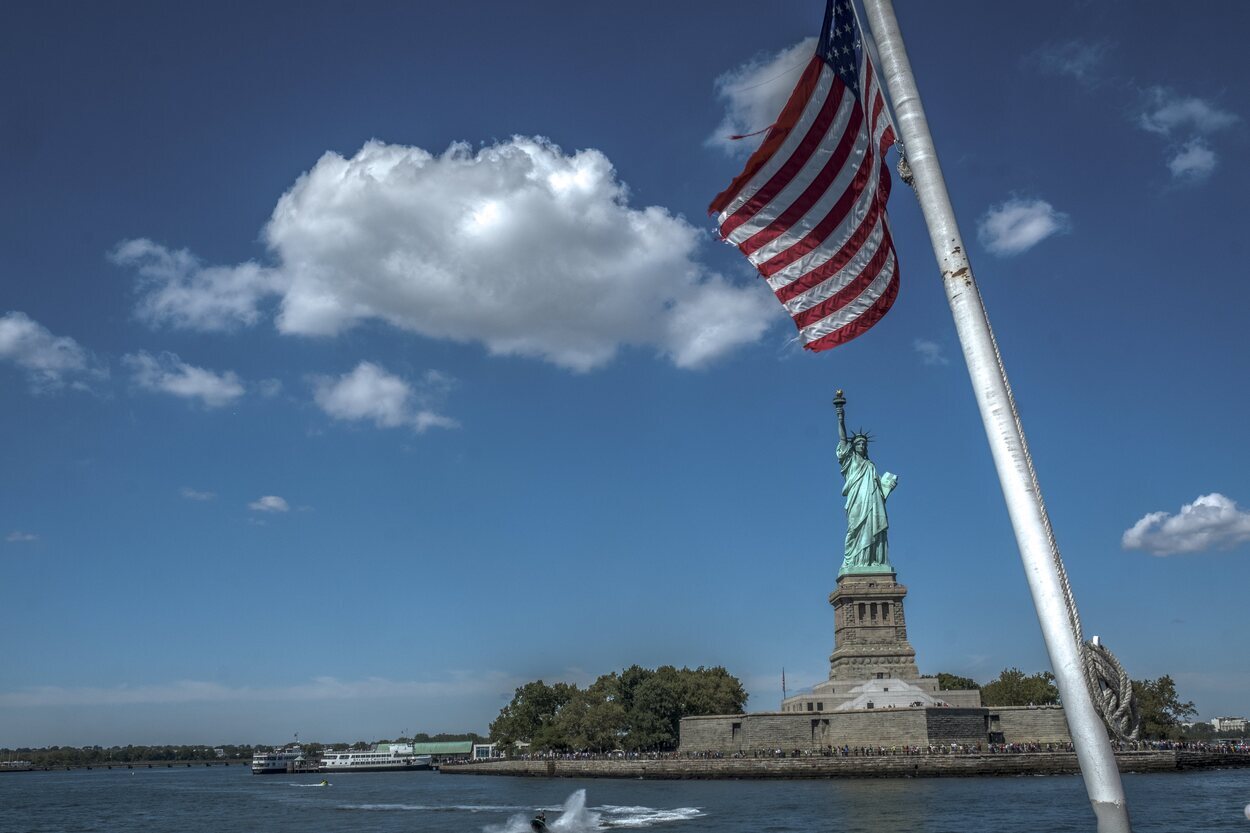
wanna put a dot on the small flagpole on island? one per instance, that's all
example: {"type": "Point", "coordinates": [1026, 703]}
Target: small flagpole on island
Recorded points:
{"type": "Point", "coordinates": [1003, 429]}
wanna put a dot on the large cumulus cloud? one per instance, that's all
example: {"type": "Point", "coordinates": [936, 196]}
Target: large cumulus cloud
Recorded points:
{"type": "Point", "coordinates": [517, 246]}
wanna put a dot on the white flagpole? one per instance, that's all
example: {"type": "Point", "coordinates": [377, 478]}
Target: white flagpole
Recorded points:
{"type": "Point", "coordinates": [1003, 429]}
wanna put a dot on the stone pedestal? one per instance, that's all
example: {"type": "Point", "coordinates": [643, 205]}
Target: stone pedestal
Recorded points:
{"type": "Point", "coordinates": [869, 631]}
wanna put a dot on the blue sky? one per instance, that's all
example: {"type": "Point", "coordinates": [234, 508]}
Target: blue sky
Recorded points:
{"type": "Point", "coordinates": [360, 363]}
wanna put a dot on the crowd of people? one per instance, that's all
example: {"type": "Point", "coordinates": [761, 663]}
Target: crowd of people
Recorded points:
{"type": "Point", "coordinates": [848, 751]}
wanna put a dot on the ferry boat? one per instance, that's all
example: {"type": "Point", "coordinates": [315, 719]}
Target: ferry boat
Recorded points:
{"type": "Point", "coordinates": [383, 757]}
{"type": "Point", "coordinates": [290, 759]}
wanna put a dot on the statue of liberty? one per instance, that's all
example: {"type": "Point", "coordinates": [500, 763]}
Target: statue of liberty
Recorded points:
{"type": "Point", "coordinates": [867, 549]}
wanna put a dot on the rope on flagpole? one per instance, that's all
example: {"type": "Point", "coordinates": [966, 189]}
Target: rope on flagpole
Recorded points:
{"type": "Point", "coordinates": [904, 168]}
{"type": "Point", "coordinates": [1109, 685]}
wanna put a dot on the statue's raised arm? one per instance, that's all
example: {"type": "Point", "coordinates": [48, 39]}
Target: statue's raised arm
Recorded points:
{"type": "Point", "coordinates": [867, 548]}
{"type": "Point", "coordinates": [839, 405]}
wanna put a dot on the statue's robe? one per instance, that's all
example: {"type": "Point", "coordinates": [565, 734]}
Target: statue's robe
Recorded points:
{"type": "Point", "coordinates": [866, 522]}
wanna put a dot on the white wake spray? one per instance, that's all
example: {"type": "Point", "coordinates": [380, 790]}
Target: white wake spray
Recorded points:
{"type": "Point", "coordinates": [575, 817]}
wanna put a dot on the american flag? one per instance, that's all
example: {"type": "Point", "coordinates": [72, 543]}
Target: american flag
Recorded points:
{"type": "Point", "coordinates": [809, 209]}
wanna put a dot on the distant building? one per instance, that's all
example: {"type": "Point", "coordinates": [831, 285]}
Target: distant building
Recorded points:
{"type": "Point", "coordinates": [875, 695]}
{"type": "Point", "coordinates": [439, 751]}
{"type": "Point", "coordinates": [485, 751]}
{"type": "Point", "coordinates": [1229, 724]}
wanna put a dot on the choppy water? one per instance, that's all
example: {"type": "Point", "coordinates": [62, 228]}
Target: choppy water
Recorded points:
{"type": "Point", "coordinates": [220, 799]}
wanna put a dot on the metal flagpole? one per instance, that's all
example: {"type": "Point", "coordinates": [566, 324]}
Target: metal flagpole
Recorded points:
{"type": "Point", "coordinates": [1003, 429]}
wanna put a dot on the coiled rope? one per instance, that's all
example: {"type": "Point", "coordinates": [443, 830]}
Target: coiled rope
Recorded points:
{"type": "Point", "coordinates": [904, 168]}
{"type": "Point", "coordinates": [1109, 686]}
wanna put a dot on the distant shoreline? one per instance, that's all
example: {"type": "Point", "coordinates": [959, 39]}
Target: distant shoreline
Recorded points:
{"type": "Point", "coordinates": [885, 766]}
{"type": "Point", "coordinates": [243, 762]}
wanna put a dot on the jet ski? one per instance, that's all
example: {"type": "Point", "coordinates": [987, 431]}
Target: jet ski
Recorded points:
{"type": "Point", "coordinates": [539, 823]}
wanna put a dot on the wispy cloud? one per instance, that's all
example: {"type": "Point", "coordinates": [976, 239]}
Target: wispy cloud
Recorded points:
{"type": "Point", "coordinates": [1211, 522]}
{"type": "Point", "coordinates": [176, 290]}
{"type": "Point", "coordinates": [1187, 122]}
{"type": "Point", "coordinates": [269, 388]}
{"type": "Point", "coordinates": [166, 373]}
{"type": "Point", "coordinates": [1080, 59]}
{"type": "Point", "coordinates": [930, 352]}
{"type": "Point", "coordinates": [194, 494]}
{"type": "Point", "coordinates": [1192, 161]}
{"type": "Point", "coordinates": [269, 503]}
{"type": "Point", "coordinates": [19, 537]}
{"type": "Point", "coordinates": [1018, 225]}
{"type": "Point", "coordinates": [50, 362]}
{"type": "Point", "coordinates": [316, 689]}
{"type": "Point", "coordinates": [1168, 113]}
{"type": "Point", "coordinates": [754, 95]}
{"type": "Point", "coordinates": [370, 393]}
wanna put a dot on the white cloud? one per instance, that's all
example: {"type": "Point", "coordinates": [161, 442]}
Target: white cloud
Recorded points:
{"type": "Point", "coordinates": [1186, 121]}
{"type": "Point", "coordinates": [1077, 59]}
{"type": "Point", "coordinates": [175, 289]}
{"type": "Point", "coordinates": [1167, 112]}
{"type": "Point", "coordinates": [1018, 225]}
{"type": "Point", "coordinates": [19, 537]}
{"type": "Point", "coordinates": [517, 246]}
{"type": "Point", "coordinates": [1192, 161]}
{"type": "Point", "coordinates": [50, 362]}
{"type": "Point", "coordinates": [371, 393]}
{"type": "Point", "coordinates": [1211, 522]}
{"type": "Point", "coordinates": [194, 494]}
{"type": "Point", "coordinates": [755, 93]}
{"type": "Point", "coordinates": [166, 373]}
{"type": "Point", "coordinates": [270, 503]}
{"type": "Point", "coordinates": [269, 388]}
{"type": "Point", "coordinates": [930, 352]}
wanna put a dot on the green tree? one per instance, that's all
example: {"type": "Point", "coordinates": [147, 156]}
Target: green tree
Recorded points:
{"type": "Point", "coordinates": [637, 709]}
{"type": "Point", "coordinates": [1014, 688]}
{"type": "Point", "coordinates": [668, 695]}
{"type": "Point", "coordinates": [712, 691]}
{"type": "Point", "coordinates": [628, 682]}
{"type": "Point", "coordinates": [953, 682]}
{"type": "Point", "coordinates": [1162, 710]}
{"type": "Point", "coordinates": [531, 714]}
{"type": "Point", "coordinates": [1198, 731]}
{"type": "Point", "coordinates": [593, 720]}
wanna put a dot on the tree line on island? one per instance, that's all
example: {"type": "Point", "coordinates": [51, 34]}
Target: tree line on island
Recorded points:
{"type": "Point", "coordinates": [640, 709]}
{"type": "Point", "coordinates": [94, 755]}
{"type": "Point", "coordinates": [1162, 710]}
{"type": "Point", "coordinates": [637, 709]}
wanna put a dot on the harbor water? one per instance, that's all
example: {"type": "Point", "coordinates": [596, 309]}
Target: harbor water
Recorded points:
{"type": "Point", "coordinates": [217, 799]}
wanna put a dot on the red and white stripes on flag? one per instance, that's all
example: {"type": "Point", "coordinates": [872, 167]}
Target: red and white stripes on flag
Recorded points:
{"type": "Point", "coordinates": [809, 209]}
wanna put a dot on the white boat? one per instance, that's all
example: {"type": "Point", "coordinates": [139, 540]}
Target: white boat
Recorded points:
{"type": "Point", "coordinates": [290, 759]}
{"type": "Point", "coordinates": [383, 757]}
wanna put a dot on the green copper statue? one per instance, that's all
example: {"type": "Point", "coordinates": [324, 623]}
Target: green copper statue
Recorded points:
{"type": "Point", "coordinates": [867, 550]}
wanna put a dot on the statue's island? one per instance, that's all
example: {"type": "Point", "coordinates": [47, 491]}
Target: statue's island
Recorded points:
{"type": "Point", "coordinates": [875, 715]}
{"type": "Point", "coordinates": [875, 695]}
